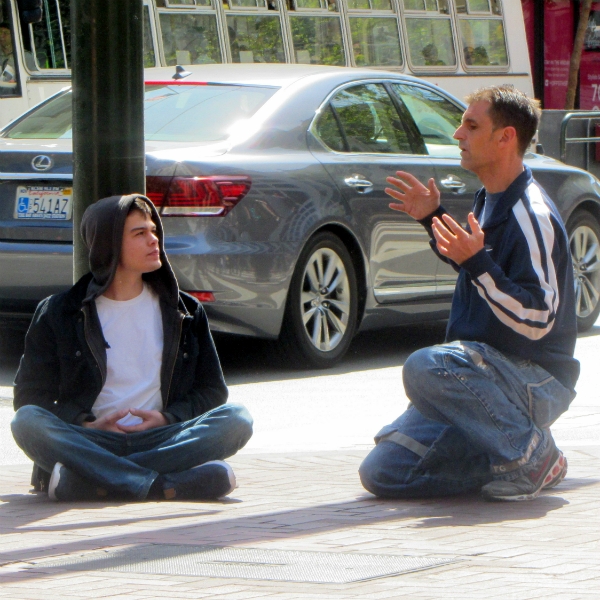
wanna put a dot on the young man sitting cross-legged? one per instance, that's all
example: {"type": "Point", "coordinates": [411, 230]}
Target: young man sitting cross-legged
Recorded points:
{"type": "Point", "coordinates": [120, 392]}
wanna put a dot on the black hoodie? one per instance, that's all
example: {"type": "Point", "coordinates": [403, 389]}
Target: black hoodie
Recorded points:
{"type": "Point", "coordinates": [63, 368]}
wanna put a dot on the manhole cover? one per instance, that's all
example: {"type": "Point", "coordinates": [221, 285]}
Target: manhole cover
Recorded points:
{"type": "Point", "coordinates": [245, 563]}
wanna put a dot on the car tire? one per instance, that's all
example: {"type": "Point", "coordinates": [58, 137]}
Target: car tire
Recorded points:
{"type": "Point", "coordinates": [319, 324]}
{"type": "Point", "coordinates": [584, 241]}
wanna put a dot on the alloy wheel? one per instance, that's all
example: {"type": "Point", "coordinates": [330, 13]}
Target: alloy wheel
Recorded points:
{"type": "Point", "coordinates": [325, 299]}
{"type": "Point", "coordinates": [585, 254]}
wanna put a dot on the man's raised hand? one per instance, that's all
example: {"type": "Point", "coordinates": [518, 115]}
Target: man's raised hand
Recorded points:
{"type": "Point", "coordinates": [455, 242]}
{"type": "Point", "coordinates": [415, 199]}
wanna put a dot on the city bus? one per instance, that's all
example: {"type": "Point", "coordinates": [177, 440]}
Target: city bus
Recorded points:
{"type": "Point", "coordinates": [458, 44]}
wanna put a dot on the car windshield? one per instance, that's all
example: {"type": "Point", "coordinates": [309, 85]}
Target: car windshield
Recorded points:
{"type": "Point", "coordinates": [172, 113]}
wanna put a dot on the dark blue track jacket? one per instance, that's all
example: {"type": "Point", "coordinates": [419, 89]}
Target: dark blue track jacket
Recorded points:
{"type": "Point", "coordinates": [517, 294]}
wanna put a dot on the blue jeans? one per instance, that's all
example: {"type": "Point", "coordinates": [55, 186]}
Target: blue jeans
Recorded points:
{"type": "Point", "coordinates": [472, 406]}
{"type": "Point", "coordinates": [127, 464]}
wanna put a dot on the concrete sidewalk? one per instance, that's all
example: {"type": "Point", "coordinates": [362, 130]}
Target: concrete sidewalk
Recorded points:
{"type": "Point", "coordinates": [549, 548]}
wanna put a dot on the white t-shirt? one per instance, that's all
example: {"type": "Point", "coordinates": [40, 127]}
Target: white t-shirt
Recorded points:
{"type": "Point", "coordinates": [133, 330]}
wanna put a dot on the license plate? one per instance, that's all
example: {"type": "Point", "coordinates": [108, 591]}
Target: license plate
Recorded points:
{"type": "Point", "coordinates": [44, 202]}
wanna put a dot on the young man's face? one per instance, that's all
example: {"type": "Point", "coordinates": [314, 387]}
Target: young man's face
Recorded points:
{"type": "Point", "coordinates": [139, 251]}
{"type": "Point", "coordinates": [477, 139]}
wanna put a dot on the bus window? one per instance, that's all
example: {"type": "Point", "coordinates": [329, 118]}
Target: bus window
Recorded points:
{"type": "Point", "coordinates": [149, 57]}
{"type": "Point", "coordinates": [429, 32]}
{"type": "Point", "coordinates": [190, 38]}
{"type": "Point", "coordinates": [316, 34]}
{"type": "Point", "coordinates": [375, 39]}
{"type": "Point", "coordinates": [482, 33]}
{"type": "Point", "coordinates": [52, 36]}
{"type": "Point", "coordinates": [254, 30]}
{"type": "Point", "coordinates": [436, 117]}
{"type": "Point", "coordinates": [9, 85]}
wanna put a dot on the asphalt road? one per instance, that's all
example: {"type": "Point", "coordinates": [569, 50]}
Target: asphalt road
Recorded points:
{"type": "Point", "coordinates": [339, 408]}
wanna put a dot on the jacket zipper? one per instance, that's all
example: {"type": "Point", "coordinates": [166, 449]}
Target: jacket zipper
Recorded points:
{"type": "Point", "coordinates": [166, 398]}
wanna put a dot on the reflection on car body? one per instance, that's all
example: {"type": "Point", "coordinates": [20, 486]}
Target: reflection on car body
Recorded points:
{"type": "Point", "coordinates": [270, 180]}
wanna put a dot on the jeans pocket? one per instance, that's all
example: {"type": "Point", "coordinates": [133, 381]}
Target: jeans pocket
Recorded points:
{"type": "Point", "coordinates": [548, 399]}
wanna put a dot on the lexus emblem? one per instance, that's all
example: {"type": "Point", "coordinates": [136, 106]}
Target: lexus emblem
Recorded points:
{"type": "Point", "coordinates": [42, 162]}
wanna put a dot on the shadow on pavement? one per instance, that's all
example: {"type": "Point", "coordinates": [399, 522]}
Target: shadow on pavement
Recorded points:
{"type": "Point", "coordinates": [266, 526]}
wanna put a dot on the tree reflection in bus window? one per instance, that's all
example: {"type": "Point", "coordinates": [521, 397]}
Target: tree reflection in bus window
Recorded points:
{"type": "Point", "coordinates": [149, 57]}
{"type": "Point", "coordinates": [440, 6]}
{"type": "Point", "coordinates": [317, 40]}
{"type": "Point", "coordinates": [479, 6]}
{"type": "Point", "coordinates": [370, 121]}
{"type": "Point", "coordinates": [52, 36]}
{"type": "Point", "coordinates": [330, 5]}
{"type": "Point", "coordinates": [375, 41]}
{"type": "Point", "coordinates": [483, 42]}
{"type": "Point", "coordinates": [436, 118]}
{"type": "Point", "coordinates": [430, 42]}
{"type": "Point", "coordinates": [247, 4]}
{"type": "Point", "coordinates": [190, 38]}
{"type": "Point", "coordinates": [255, 39]}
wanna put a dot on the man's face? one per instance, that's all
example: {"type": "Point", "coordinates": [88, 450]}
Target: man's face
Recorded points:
{"type": "Point", "coordinates": [5, 41]}
{"type": "Point", "coordinates": [477, 139]}
{"type": "Point", "coordinates": [139, 250]}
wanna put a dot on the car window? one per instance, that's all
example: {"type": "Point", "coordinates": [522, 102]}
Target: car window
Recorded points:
{"type": "Point", "coordinates": [203, 113]}
{"type": "Point", "coordinates": [369, 121]}
{"type": "Point", "coordinates": [329, 131]}
{"type": "Point", "coordinates": [436, 118]}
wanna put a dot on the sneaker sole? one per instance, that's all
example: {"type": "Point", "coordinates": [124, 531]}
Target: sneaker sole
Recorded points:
{"type": "Point", "coordinates": [559, 467]}
{"type": "Point", "coordinates": [54, 481]}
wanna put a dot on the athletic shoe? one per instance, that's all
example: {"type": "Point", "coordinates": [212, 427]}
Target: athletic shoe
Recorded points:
{"type": "Point", "coordinates": [557, 474]}
{"type": "Point", "coordinates": [546, 472]}
{"type": "Point", "coordinates": [209, 481]}
{"type": "Point", "coordinates": [66, 486]}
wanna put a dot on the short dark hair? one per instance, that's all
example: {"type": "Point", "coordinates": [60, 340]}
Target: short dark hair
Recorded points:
{"type": "Point", "coordinates": [141, 206]}
{"type": "Point", "coordinates": [510, 107]}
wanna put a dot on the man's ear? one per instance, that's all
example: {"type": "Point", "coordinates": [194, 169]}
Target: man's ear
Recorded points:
{"type": "Point", "coordinates": [509, 136]}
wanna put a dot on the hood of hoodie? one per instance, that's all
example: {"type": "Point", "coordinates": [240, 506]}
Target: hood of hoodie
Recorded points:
{"type": "Point", "coordinates": [102, 228]}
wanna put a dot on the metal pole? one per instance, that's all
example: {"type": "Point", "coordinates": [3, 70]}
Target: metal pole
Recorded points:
{"type": "Point", "coordinates": [108, 120]}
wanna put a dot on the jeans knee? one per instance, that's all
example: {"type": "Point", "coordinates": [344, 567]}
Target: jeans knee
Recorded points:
{"type": "Point", "coordinates": [242, 421]}
{"type": "Point", "coordinates": [24, 423]}
{"type": "Point", "coordinates": [417, 371]}
{"type": "Point", "coordinates": [381, 473]}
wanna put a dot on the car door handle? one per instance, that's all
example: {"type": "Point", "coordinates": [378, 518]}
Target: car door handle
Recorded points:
{"type": "Point", "coordinates": [454, 183]}
{"type": "Point", "coordinates": [362, 185]}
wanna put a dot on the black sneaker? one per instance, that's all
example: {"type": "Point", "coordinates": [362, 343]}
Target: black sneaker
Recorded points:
{"type": "Point", "coordinates": [549, 470]}
{"type": "Point", "coordinates": [209, 481]}
{"type": "Point", "coordinates": [66, 486]}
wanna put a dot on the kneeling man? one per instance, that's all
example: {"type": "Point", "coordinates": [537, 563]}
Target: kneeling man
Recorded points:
{"type": "Point", "coordinates": [120, 392]}
{"type": "Point", "coordinates": [482, 404]}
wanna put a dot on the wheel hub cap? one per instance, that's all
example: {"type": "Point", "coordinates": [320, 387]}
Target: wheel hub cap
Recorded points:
{"type": "Point", "coordinates": [325, 299]}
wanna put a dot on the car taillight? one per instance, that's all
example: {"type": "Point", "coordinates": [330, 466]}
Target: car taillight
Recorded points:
{"type": "Point", "coordinates": [203, 296]}
{"type": "Point", "coordinates": [212, 196]}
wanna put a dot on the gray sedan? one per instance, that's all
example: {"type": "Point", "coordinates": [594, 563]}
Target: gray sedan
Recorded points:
{"type": "Point", "coordinates": [270, 180]}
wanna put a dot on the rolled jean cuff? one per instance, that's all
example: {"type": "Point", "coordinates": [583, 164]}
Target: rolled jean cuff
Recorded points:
{"type": "Point", "coordinates": [512, 470]}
